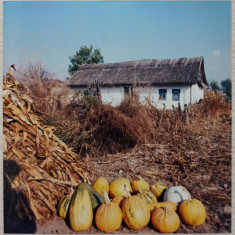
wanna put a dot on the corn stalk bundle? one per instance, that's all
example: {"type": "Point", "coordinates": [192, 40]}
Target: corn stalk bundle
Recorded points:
{"type": "Point", "coordinates": [47, 167]}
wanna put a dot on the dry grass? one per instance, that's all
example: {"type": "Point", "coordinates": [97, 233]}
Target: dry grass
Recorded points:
{"type": "Point", "coordinates": [91, 127]}
{"type": "Point", "coordinates": [48, 93]}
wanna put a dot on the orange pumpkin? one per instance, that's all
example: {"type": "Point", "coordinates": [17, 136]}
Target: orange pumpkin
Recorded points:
{"type": "Point", "coordinates": [118, 200]}
{"type": "Point", "coordinates": [165, 220]}
{"type": "Point", "coordinates": [108, 217]}
{"type": "Point", "coordinates": [153, 205]}
{"type": "Point", "coordinates": [192, 212]}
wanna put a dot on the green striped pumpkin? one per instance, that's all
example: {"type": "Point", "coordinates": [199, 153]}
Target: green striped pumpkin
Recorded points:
{"type": "Point", "coordinates": [63, 206]}
{"type": "Point", "coordinates": [80, 212]}
{"type": "Point", "coordinates": [147, 195]}
{"type": "Point", "coordinates": [96, 199]}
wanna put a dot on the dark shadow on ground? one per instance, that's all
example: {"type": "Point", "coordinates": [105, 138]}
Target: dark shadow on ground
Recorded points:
{"type": "Point", "coordinates": [18, 216]}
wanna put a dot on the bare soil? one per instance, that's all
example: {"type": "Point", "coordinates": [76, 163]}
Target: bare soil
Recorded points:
{"type": "Point", "coordinates": [201, 163]}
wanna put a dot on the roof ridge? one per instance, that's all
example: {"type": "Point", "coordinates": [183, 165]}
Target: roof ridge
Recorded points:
{"type": "Point", "coordinates": [136, 61]}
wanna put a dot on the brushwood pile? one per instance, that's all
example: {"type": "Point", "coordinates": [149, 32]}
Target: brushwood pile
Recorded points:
{"type": "Point", "coordinates": [36, 162]}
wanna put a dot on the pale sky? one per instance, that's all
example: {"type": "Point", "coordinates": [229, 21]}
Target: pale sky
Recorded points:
{"type": "Point", "coordinates": [50, 32]}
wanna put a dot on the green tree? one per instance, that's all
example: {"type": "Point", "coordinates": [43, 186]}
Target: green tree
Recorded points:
{"type": "Point", "coordinates": [214, 86]}
{"type": "Point", "coordinates": [85, 55]}
{"type": "Point", "coordinates": [226, 87]}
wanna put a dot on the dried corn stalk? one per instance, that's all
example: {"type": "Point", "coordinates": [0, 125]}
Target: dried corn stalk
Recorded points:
{"type": "Point", "coordinates": [48, 168]}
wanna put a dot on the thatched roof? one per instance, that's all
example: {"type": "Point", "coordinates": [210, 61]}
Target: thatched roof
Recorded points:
{"type": "Point", "coordinates": [183, 71]}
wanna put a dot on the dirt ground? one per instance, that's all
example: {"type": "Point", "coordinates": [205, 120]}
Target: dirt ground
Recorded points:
{"type": "Point", "coordinates": [201, 163]}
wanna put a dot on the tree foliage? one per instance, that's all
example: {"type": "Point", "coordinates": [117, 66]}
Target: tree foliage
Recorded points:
{"type": "Point", "coordinates": [214, 86]}
{"type": "Point", "coordinates": [85, 55]}
{"type": "Point", "coordinates": [226, 87]}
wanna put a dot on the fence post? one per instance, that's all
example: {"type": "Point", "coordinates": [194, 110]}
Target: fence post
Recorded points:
{"type": "Point", "coordinates": [185, 116]}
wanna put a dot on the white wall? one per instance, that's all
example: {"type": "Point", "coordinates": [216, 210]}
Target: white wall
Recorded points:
{"type": "Point", "coordinates": [109, 95]}
{"type": "Point", "coordinates": [197, 93]}
{"type": "Point", "coordinates": [112, 95]}
{"type": "Point", "coordinates": [152, 93]}
{"type": "Point", "coordinates": [115, 95]}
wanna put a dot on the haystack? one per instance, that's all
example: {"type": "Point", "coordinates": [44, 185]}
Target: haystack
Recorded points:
{"type": "Point", "coordinates": [36, 162]}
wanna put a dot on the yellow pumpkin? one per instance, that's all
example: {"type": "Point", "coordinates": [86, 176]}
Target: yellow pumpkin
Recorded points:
{"type": "Point", "coordinates": [135, 211]}
{"type": "Point", "coordinates": [101, 184]}
{"type": "Point", "coordinates": [118, 200]}
{"type": "Point", "coordinates": [165, 220]}
{"type": "Point", "coordinates": [139, 183]}
{"type": "Point", "coordinates": [153, 205]}
{"type": "Point", "coordinates": [158, 188]}
{"type": "Point", "coordinates": [81, 212]}
{"type": "Point", "coordinates": [192, 212]}
{"type": "Point", "coordinates": [108, 217]}
{"type": "Point", "coordinates": [147, 195]}
{"type": "Point", "coordinates": [116, 187]}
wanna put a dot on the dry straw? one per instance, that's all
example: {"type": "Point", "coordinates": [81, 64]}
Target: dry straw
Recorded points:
{"type": "Point", "coordinates": [36, 162]}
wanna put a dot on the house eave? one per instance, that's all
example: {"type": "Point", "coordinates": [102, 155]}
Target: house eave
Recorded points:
{"type": "Point", "coordinates": [131, 84]}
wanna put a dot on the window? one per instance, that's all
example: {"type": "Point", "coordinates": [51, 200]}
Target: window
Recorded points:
{"type": "Point", "coordinates": [162, 94]}
{"type": "Point", "coordinates": [175, 94]}
{"type": "Point", "coordinates": [85, 92]}
{"type": "Point", "coordinates": [92, 91]}
{"type": "Point", "coordinates": [126, 90]}
{"type": "Point", "coordinates": [129, 90]}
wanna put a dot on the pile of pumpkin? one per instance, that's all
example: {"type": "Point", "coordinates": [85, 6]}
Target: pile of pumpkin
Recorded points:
{"type": "Point", "coordinates": [135, 203]}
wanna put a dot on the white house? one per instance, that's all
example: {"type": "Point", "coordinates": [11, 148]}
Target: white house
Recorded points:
{"type": "Point", "coordinates": [164, 82]}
